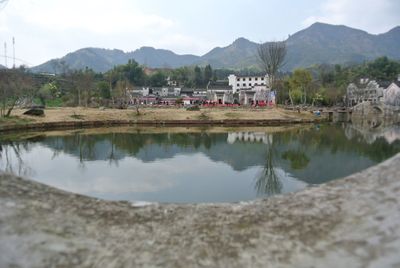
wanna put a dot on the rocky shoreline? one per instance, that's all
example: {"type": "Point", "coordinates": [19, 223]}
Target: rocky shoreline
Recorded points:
{"type": "Point", "coordinates": [350, 222]}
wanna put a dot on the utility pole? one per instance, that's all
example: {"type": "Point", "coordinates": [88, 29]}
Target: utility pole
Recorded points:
{"type": "Point", "coordinates": [13, 40]}
{"type": "Point", "coordinates": [5, 53]}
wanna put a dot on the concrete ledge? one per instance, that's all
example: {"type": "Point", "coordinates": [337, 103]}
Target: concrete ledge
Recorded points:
{"type": "Point", "coordinates": [351, 222]}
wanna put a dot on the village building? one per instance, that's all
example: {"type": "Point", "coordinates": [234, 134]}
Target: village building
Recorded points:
{"type": "Point", "coordinates": [365, 90]}
{"type": "Point", "coordinates": [249, 90]}
{"type": "Point", "coordinates": [252, 90]}
{"type": "Point", "coordinates": [239, 83]}
{"type": "Point", "coordinates": [220, 92]}
{"type": "Point", "coordinates": [187, 92]}
{"type": "Point", "coordinates": [370, 90]}
{"type": "Point", "coordinates": [172, 83]}
{"type": "Point", "coordinates": [243, 90]}
{"type": "Point", "coordinates": [391, 95]}
{"type": "Point", "coordinates": [200, 93]}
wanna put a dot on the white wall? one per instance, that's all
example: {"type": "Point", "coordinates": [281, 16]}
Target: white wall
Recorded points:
{"type": "Point", "coordinates": [246, 82]}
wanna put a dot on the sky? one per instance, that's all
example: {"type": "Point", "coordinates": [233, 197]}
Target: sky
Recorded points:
{"type": "Point", "coordinates": [46, 29]}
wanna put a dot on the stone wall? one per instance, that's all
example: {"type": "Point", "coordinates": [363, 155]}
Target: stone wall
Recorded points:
{"type": "Point", "coordinates": [351, 222]}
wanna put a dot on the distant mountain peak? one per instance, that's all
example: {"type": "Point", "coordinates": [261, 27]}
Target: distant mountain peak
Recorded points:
{"type": "Point", "coordinates": [321, 26]}
{"type": "Point", "coordinates": [320, 43]}
{"type": "Point", "coordinates": [147, 48]}
{"type": "Point", "coordinates": [394, 30]}
{"type": "Point", "coordinates": [241, 40]}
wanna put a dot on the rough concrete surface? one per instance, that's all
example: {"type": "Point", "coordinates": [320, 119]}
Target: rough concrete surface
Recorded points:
{"type": "Point", "coordinates": [351, 222]}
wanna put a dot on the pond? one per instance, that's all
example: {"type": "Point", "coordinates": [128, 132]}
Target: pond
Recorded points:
{"type": "Point", "coordinates": [190, 165]}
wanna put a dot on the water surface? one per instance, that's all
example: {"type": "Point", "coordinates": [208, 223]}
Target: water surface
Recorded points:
{"type": "Point", "coordinates": [188, 165]}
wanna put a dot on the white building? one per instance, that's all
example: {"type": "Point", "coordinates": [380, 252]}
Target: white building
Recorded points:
{"type": "Point", "coordinates": [246, 82]}
{"type": "Point", "coordinates": [171, 83]}
{"type": "Point", "coordinates": [391, 95]}
{"type": "Point", "coordinates": [366, 90]}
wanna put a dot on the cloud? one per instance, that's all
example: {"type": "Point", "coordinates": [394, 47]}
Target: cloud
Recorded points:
{"type": "Point", "coordinates": [55, 28]}
{"type": "Point", "coordinates": [101, 17]}
{"type": "Point", "coordinates": [370, 15]}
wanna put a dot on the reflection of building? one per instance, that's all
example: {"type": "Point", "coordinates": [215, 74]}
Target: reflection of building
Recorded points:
{"type": "Point", "coordinates": [249, 137]}
{"type": "Point", "coordinates": [372, 129]}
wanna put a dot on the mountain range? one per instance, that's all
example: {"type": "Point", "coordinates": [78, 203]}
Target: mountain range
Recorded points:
{"type": "Point", "coordinates": [318, 44]}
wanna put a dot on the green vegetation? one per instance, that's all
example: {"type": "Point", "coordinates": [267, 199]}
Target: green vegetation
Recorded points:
{"type": "Point", "coordinates": [326, 84]}
{"type": "Point", "coordinates": [319, 85]}
{"type": "Point", "coordinates": [298, 159]}
{"type": "Point", "coordinates": [299, 86]}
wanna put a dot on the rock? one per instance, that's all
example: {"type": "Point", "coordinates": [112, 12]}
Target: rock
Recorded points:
{"type": "Point", "coordinates": [350, 222]}
{"type": "Point", "coordinates": [35, 112]}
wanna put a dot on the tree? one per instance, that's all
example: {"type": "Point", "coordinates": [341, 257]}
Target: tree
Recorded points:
{"type": "Point", "coordinates": [15, 84]}
{"type": "Point", "coordinates": [383, 69]}
{"type": "Point", "coordinates": [84, 84]}
{"type": "Point", "coordinates": [181, 75]}
{"type": "Point", "coordinates": [208, 74]}
{"type": "Point", "coordinates": [158, 79]}
{"type": "Point", "coordinates": [271, 58]}
{"type": "Point", "coordinates": [198, 77]}
{"type": "Point", "coordinates": [104, 90]}
{"type": "Point", "coordinates": [300, 81]}
{"type": "Point", "coordinates": [131, 72]}
{"type": "Point", "coordinates": [121, 93]}
{"type": "Point", "coordinates": [47, 91]}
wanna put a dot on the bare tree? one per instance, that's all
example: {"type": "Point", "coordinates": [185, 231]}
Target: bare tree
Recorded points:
{"type": "Point", "coordinates": [271, 57]}
{"type": "Point", "coordinates": [83, 84]}
{"type": "Point", "coordinates": [15, 84]}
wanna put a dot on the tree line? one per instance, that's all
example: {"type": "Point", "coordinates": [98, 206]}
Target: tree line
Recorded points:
{"type": "Point", "coordinates": [326, 84]}
{"type": "Point", "coordinates": [317, 85]}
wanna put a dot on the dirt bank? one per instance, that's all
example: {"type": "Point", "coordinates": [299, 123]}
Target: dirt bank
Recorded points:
{"type": "Point", "coordinates": [89, 117]}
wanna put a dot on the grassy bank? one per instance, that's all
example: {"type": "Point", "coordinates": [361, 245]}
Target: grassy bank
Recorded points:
{"type": "Point", "coordinates": [83, 117]}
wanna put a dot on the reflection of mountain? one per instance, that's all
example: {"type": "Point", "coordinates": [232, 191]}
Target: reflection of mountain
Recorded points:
{"type": "Point", "coordinates": [313, 156]}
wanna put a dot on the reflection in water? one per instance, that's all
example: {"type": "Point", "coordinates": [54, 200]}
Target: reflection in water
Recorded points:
{"type": "Point", "coordinates": [196, 166]}
{"type": "Point", "coordinates": [12, 161]}
{"type": "Point", "coordinates": [268, 181]}
{"type": "Point", "coordinates": [372, 129]}
{"type": "Point", "coordinates": [250, 137]}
